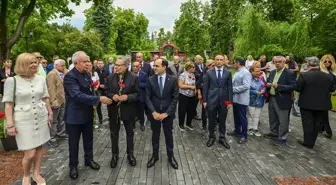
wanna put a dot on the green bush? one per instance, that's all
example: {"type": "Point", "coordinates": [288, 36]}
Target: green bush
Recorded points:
{"type": "Point", "coordinates": [2, 128]}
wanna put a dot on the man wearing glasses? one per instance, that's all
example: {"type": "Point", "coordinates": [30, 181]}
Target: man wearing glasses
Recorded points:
{"type": "Point", "coordinates": [41, 71]}
{"type": "Point", "coordinates": [123, 88]}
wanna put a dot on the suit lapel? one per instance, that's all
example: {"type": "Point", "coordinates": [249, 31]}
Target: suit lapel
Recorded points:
{"type": "Point", "coordinates": [213, 75]}
{"type": "Point", "coordinates": [174, 70]}
{"type": "Point", "coordinates": [165, 84]}
{"type": "Point", "coordinates": [282, 76]}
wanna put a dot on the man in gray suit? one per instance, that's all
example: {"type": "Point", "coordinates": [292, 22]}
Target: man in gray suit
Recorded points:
{"type": "Point", "coordinates": [176, 68]}
{"type": "Point", "coordinates": [217, 99]}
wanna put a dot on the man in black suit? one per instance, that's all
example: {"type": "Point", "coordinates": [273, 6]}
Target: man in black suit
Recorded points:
{"type": "Point", "coordinates": [161, 101]}
{"type": "Point", "coordinates": [280, 85]}
{"type": "Point", "coordinates": [78, 114]}
{"type": "Point", "coordinates": [109, 67]}
{"type": "Point", "coordinates": [143, 79]}
{"type": "Point", "coordinates": [199, 68]}
{"type": "Point", "coordinates": [145, 67]}
{"type": "Point", "coordinates": [102, 78]}
{"type": "Point", "coordinates": [123, 88]}
{"type": "Point", "coordinates": [314, 87]}
{"type": "Point", "coordinates": [217, 99]}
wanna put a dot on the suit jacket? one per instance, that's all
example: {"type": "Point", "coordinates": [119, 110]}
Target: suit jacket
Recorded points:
{"type": "Point", "coordinates": [79, 98]}
{"type": "Point", "coordinates": [55, 88]}
{"type": "Point", "coordinates": [176, 73]}
{"type": "Point", "coordinates": [169, 98]}
{"type": "Point", "coordinates": [127, 108]}
{"type": "Point", "coordinates": [146, 68]}
{"type": "Point", "coordinates": [143, 79]}
{"type": "Point", "coordinates": [107, 69]}
{"type": "Point", "coordinates": [314, 87]}
{"type": "Point", "coordinates": [3, 76]}
{"type": "Point", "coordinates": [215, 94]}
{"type": "Point", "coordinates": [198, 71]}
{"type": "Point", "coordinates": [102, 78]}
{"type": "Point", "coordinates": [286, 86]}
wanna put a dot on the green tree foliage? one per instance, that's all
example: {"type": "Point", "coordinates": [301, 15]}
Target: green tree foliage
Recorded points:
{"type": "Point", "coordinates": [257, 35]}
{"type": "Point", "coordinates": [101, 21]}
{"type": "Point", "coordinates": [191, 33]}
{"type": "Point", "coordinates": [14, 15]}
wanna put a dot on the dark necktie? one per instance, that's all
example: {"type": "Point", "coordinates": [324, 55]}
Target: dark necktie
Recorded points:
{"type": "Point", "coordinates": [161, 85]}
{"type": "Point", "coordinates": [219, 77]}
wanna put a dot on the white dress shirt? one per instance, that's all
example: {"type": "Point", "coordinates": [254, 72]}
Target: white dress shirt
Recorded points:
{"type": "Point", "coordinates": [222, 69]}
{"type": "Point", "coordinates": [163, 79]}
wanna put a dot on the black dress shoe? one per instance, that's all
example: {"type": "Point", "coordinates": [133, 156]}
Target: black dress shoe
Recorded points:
{"type": "Point", "coordinates": [131, 160]}
{"type": "Point", "coordinates": [173, 162]}
{"type": "Point", "coordinates": [224, 143]}
{"type": "Point", "coordinates": [93, 165]}
{"type": "Point", "coordinates": [114, 161]}
{"type": "Point", "coordinates": [327, 136]}
{"type": "Point", "coordinates": [270, 136]}
{"type": "Point", "coordinates": [210, 142]}
{"type": "Point", "coordinates": [142, 127]}
{"type": "Point", "coordinates": [152, 161]}
{"type": "Point", "coordinates": [73, 173]}
{"type": "Point", "coordinates": [303, 144]}
{"type": "Point", "coordinates": [242, 140]}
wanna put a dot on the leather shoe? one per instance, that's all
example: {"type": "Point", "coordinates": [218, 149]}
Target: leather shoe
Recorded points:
{"type": "Point", "coordinates": [73, 173]}
{"type": "Point", "coordinates": [173, 162]}
{"type": "Point", "coordinates": [303, 144]}
{"type": "Point", "coordinates": [210, 142]}
{"type": "Point", "coordinates": [142, 127]}
{"type": "Point", "coordinates": [114, 161]}
{"type": "Point", "coordinates": [152, 161]}
{"type": "Point", "coordinates": [224, 143]}
{"type": "Point", "coordinates": [93, 165]}
{"type": "Point", "coordinates": [131, 160]}
{"type": "Point", "coordinates": [233, 133]}
{"type": "Point", "coordinates": [242, 140]}
{"type": "Point", "coordinates": [327, 136]}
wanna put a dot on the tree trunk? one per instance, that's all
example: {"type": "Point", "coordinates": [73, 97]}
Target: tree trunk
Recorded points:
{"type": "Point", "coordinates": [3, 30]}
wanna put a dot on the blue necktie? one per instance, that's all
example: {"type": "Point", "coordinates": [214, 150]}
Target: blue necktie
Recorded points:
{"type": "Point", "coordinates": [161, 85]}
{"type": "Point", "coordinates": [219, 77]}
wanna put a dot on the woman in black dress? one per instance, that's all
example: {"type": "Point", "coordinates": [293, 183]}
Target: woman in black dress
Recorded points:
{"type": "Point", "coordinates": [5, 72]}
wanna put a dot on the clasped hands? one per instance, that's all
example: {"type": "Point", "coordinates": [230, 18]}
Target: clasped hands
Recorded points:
{"type": "Point", "coordinates": [159, 117]}
{"type": "Point", "coordinates": [261, 92]}
{"type": "Point", "coordinates": [269, 85]}
{"type": "Point", "coordinates": [105, 100]}
{"type": "Point", "coordinates": [120, 98]}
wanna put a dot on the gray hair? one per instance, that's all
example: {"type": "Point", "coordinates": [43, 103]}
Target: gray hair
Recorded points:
{"type": "Point", "coordinates": [124, 60]}
{"type": "Point", "coordinates": [313, 61]}
{"type": "Point", "coordinates": [283, 59]}
{"type": "Point", "coordinates": [59, 61]}
{"type": "Point", "coordinates": [76, 55]}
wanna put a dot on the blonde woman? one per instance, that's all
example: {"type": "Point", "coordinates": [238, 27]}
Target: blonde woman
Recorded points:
{"type": "Point", "coordinates": [31, 116]}
{"type": "Point", "coordinates": [327, 65]}
{"type": "Point", "coordinates": [249, 62]}
{"type": "Point", "coordinates": [187, 92]}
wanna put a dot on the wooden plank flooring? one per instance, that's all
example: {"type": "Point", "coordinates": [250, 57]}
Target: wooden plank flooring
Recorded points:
{"type": "Point", "coordinates": [254, 163]}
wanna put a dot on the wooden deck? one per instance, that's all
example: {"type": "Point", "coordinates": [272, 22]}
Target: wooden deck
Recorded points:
{"type": "Point", "coordinates": [257, 162]}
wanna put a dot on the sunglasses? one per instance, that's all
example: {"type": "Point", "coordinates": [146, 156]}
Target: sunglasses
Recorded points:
{"type": "Point", "coordinates": [329, 62]}
{"type": "Point", "coordinates": [38, 57]}
{"type": "Point", "coordinates": [44, 62]}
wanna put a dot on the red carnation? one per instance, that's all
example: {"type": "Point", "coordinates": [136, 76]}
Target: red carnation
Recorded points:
{"type": "Point", "coordinates": [95, 83]}
{"type": "Point", "coordinates": [2, 114]}
{"type": "Point", "coordinates": [104, 79]}
{"type": "Point", "coordinates": [227, 102]}
{"type": "Point", "coordinates": [121, 84]}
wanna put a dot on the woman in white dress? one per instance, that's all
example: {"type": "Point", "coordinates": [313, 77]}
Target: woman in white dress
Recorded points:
{"type": "Point", "coordinates": [31, 116]}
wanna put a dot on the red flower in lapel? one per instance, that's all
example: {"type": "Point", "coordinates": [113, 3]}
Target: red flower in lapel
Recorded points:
{"type": "Point", "coordinates": [227, 102]}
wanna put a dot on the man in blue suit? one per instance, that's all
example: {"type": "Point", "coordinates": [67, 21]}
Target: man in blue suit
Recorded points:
{"type": "Point", "coordinates": [143, 78]}
{"type": "Point", "coordinates": [79, 111]}
{"type": "Point", "coordinates": [280, 85]}
{"type": "Point", "coordinates": [217, 98]}
{"type": "Point", "coordinates": [109, 67]}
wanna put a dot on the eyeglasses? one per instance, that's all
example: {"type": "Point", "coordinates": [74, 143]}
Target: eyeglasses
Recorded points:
{"type": "Point", "coordinates": [44, 62]}
{"type": "Point", "coordinates": [192, 67]}
{"type": "Point", "coordinates": [39, 57]}
{"type": "Point", "coordinates": [329, 62]}
{"type": "Point", "coordinates": [118, 65]}
{"type": "Point", "coordinates": [156, 66]}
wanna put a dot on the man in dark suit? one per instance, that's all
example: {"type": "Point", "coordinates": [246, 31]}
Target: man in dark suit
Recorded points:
{"type": "Point", "coordinates": [145, 67]}
{"type": "Point", "coordinates": [78, 115]}
{"type": "Point", "coordinates": [217, 98]}
{"type": "Point", "coordinates": [161, 101]}
{"type": "Point", "coordinates": [314, 87]}
{"type": "Point", "coordinates": [199, 68]}
{"type": "Point", "coordinates": [109, 67]}
{"type": "Point", "coordinates": [143, 78]}
{"type": "Point", "coordinates": [102, 78]}
{"type": "Point", "coordinates": [123, 88]}
{"type": "Point", "coordinates": [280, 85]}
{"type": "Point", "coordinates": [176, 68]}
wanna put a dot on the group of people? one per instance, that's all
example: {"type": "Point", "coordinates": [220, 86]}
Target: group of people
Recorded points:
{"type": "Point", "coordinates": [67, 100]}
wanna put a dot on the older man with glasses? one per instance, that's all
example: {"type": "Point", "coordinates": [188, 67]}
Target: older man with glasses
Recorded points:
{"type": "Point", "coordinates": [41, 70]}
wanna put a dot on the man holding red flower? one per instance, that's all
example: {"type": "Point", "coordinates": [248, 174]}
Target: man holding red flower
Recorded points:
{"type": "Point", "coordinates": [123, 88]}
{"type": "Point", "coordinates": [217, 98]}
